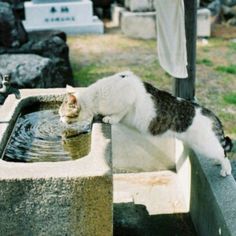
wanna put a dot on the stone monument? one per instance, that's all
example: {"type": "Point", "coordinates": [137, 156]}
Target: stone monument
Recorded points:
{"type": "Point", "coordinates": [70, 16]}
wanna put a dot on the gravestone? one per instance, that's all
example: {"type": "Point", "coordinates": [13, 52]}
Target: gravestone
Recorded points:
{"type": "Point", "coordinates": [70, 16]}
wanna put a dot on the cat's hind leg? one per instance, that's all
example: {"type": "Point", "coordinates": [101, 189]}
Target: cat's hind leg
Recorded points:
{"type": "Point", "coordinates": [219, 156]}
{"type": "Point", "coordinates": [217, 152]}
{"type": "Point", "coordinates": [225, 167]}
{"type": "Point", "coordinates": [213, 150]}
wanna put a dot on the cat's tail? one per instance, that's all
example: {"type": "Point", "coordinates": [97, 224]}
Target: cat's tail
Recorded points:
{"type": "Point", "coordinates": [227, 144]}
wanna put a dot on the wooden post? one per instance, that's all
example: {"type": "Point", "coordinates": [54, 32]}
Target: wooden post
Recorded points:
{"type": "Point", "coordinates": [185, 88]}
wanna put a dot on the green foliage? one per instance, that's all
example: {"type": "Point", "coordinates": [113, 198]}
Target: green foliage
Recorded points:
{"type": "Point", "coordinates": [231, 69]}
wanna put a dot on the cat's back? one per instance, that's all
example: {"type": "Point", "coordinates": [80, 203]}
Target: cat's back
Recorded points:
{"type": "Point", "coordinates": [166, 101]}
{"type": "Point", "coordinates": [120, 83]}
{"type": "Point", "coordinates": [172, 113]}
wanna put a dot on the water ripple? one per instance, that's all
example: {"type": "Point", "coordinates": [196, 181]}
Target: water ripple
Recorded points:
{"type": "Point", "coordinates": [40, 136]}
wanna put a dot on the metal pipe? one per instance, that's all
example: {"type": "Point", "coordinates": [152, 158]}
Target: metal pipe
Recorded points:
{"type": "Point", "coordinates": [7, 87]}
{"type": "Point", "coordinates": [185, 88]}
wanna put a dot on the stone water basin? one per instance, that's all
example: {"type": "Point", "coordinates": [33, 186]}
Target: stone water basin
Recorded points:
{"type": "Point", "coordinates": [40, 136]}
{"type": "Point", "coordinates": [47, 187]}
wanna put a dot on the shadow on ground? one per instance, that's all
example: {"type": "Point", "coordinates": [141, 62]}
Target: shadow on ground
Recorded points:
{"type": "Point", "coordinates": [133, 220]}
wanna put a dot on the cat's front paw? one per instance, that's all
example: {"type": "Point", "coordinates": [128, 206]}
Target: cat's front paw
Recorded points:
{"type": "Point", "coordinates": [226, 168]}
{"type": "Point", "coordinates": [110, 120]}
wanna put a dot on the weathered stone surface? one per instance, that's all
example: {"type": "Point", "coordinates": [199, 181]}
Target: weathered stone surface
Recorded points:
{"type": "Point", "coordinates": [229, 2]}
{"type": "Point", "coordinates": [52, 45]}
{"type": "Point", "coordinates": [56, 206]}
{"type": "Point", "coordinates": [203, 22]}
{"type": "Point", "coordinates": [140, 6]}
{"type": "Point", "coordinates": [229, 14]}
{"type": "Point", "coordinates": [13, 1]}
{"type": "Point", "coordinates": [212, 210]}
{"type": "Point", "coordinates": [139, 24]}
{"type": "Point", "coordinates": [55, 198]}
{"type": "Point", "coordinates": [31, 71]}
{"type": "Point", "coordinates": [233, 161]}
{"type": "Point", "coordinates": [12, 33]}
{"type": "Point", "coordinates": [48, 44]}
{"type": "Point", "coordinates": [213, 5]}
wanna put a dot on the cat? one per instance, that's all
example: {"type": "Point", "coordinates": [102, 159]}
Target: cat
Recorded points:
{"type": "Point", "coordinates": [123, 97]}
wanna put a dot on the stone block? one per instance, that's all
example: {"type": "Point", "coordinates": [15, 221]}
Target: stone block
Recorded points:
{"type": "Point", "coordinates": [72, 17]}
{"type": "Point", "coordinates": [56, 206]}
{"type": "Point", "coordinates": [213, 198]}
{"type": "Point", "coordinates": [35, 72]}
{"type": "Point", "coordinates": [139, 24]}
{"type": "Point", "coordinates": [203, 22]}
{"type": "Point", "coordinates": [116, 12]}
{"type": "Point", "coordinates": [54, 1]}
{"type": "Point", "coordinates": [148, 153]}
{"type": "Point", "coordinates": [53, 14]}
{"type": "Point", "coordinates": [140, 6]}
{"type": "Point", "coordinates": [46, 61]}
{"type": "Point", "coordinates": [55, 198]}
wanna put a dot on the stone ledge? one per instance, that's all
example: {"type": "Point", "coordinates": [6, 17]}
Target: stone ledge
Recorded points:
{"type": "Point", "coordinates": [213, 199]}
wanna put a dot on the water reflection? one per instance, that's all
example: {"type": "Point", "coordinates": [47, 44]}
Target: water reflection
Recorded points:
{"type": "Point", "coordinates": [40, 136]}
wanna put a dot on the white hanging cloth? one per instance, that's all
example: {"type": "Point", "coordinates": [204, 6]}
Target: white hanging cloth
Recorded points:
{"type": "Point", "coordinates": [171, 39]}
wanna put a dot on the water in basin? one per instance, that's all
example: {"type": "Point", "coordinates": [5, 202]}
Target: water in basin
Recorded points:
{"type": "Point", "coordinates": [39, 135]}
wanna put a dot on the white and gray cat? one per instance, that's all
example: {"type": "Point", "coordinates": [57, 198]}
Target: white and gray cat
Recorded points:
{"type": "Point", "coordinates": [123, 97]}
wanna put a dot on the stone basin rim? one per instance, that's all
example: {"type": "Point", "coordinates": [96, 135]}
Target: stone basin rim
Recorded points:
{"type": "Point", "coordinates": [96, 163]}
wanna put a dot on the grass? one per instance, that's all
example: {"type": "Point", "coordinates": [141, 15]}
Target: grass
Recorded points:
{"type": "Point", "coordinates": [232, 46]}
{"type": "Point", "coordinates": [230, 98]}
{"type": "Point", "coordinates": [205, 61]}
{"type": "Point", "coordinates": [88, 74]}
{"type": "Point", "coordinates": [231, 69]}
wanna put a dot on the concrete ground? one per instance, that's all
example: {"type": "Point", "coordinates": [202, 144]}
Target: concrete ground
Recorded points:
{"type": "Point", "coordinates": [149, 204]}
{"type": "Point", "coordinates": [146, 205]}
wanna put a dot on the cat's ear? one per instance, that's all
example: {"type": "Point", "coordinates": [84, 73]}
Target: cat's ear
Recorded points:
{"type": "Point", "coordinates": [70, 89]}
{"type": "Point", "coordinates": [71, 97]}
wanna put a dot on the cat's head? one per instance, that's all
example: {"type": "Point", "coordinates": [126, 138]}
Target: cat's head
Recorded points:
{"type": "Point", "coordinates": [70, 107]}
